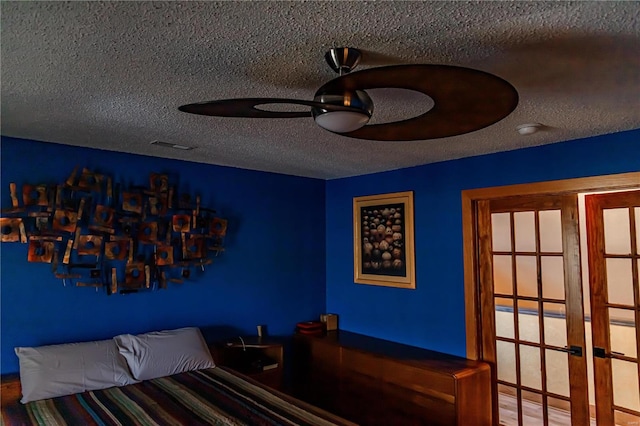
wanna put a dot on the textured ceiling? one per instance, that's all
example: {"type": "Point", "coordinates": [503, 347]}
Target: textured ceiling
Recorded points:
{"type": "Point", "coordinates": [111, 75]}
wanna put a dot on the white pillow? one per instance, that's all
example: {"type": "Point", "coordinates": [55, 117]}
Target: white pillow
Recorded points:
{"type": "Point", "coordinates": [163, 353]}
{"type": "Point", "coordinates": [57, 370]}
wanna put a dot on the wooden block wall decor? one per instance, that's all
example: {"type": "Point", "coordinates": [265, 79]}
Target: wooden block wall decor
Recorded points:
{"type": "Point", "coordinates": [164, 255]}
{"type": "Point", "coordinates": [114, 281]}
{"type": "Point", "coordinates": [194, 247]}
{"type": "Point", "coordinates": [116, 250]}
{"type": "Point", "coordinates": [132, 202]}
{"type": "Point", "coordinates": [81, 208]}
{"type": "Point", "coordinates": [163, 280]}
{"type": "Point", "coordinates": [40, 251]}
{"type": "Point", "coordinates": [218, 227]}
{"type": "Point", "coordinates": [127, 226]}
{"type": "Point", "coordinates": [134, 275]}
{"type": "Point", "coordinates": [34, 195]}
{"type": "Point", "coordinates": [90, 245]}
{"type": "Point", "coordinates": [42, 223]}
{"type": "Point", "coordinates": [158, 206]}
{"type": "Point", "coordinates": [14, 195]}
{"type": "Point", "coordinates": [71, 180]}
{"type": "Point", "coordinates": [151, 236]}
{"type": "Point", "coordinates": [64, 220]}
{"type": "Point", "coordinates": [103, 216]}
{"type": "Point", "coordinates": [159, 182]}
{"type": "Point", "coordinates": [67, 252]}
{"type": "Point", "coordinates": [148, 232]}
{"type": "Point", "coordinates": [91, 181]}
{"type": "Point", "coordinates": [181, 223]}
{"type": "Point", "coordinates": [10, 230]}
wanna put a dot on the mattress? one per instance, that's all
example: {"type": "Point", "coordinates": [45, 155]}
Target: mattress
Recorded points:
{"type": "Point", "coordinates": [213, 396]}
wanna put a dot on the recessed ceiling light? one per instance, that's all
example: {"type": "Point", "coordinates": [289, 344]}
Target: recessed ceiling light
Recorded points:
{"type": "Point", "coordinates": [172, 145]}
{"type": "Point", "coordinates": [529, 128]}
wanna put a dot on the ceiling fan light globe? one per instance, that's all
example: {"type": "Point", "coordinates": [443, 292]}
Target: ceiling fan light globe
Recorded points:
{"type": "Point", "coordinates": [341, 121]}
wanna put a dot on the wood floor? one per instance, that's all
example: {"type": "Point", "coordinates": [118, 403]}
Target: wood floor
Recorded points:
{"type": "Point", "coordinates": [531, 413]}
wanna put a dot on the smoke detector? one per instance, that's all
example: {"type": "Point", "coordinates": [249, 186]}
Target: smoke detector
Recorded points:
{"type": "Point", "coordinates": [529, 128]}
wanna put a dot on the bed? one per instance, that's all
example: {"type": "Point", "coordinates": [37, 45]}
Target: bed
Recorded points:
{"type": "Point", "coordinates": [212, 395]}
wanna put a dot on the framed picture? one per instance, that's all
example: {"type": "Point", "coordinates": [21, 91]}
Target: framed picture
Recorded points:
{"type": "Point", "coordinates": [383, 242]}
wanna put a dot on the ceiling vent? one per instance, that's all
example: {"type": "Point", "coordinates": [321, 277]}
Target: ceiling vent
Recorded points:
{"type": "Point", "coordinates": [172, 145]}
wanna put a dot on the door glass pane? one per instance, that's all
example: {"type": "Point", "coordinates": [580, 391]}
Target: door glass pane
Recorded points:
{"type": "Point", "coordinates": [616, 231]}
{"type": "Point", "coordinates": [508, 404]}
{"type": "Point", "coordinates": [525, 231]}
{"type": "Point", "coordinates": [550, 231]}
{"type": "Point", "coordinates": [622, 331]}
{"type": "Point", "coordinates": [619, 281]}
{"type": "Point", "coordinates": [528, 322]}
{"type": "Point", "coordinates": [532, 409]}
{"type": "Point", "coordinates": [526, 276]}
{"type": "Point", "coordinates": [501, 231]}
{"type": "Point", "coordinates": [560, 411]}
{"type": "Point", "coordinates": [506, 360]}
{"type": "Point", "coordinates": [530, 367]}
{"type": "Point", "coordinates": [622, 418]}
{"type": "Point", "coordinates": [557, 372]}
{"type": "Point", "coordinates": [504, 317]}
{"type": "Point", "coordinates": [552, 268]}
{"type": "Point", "coordinates": [502, 275]}
{"type": "Point", "coordinates": [555, 325]}
{"type": "Point", "coordinates": [625, 384]}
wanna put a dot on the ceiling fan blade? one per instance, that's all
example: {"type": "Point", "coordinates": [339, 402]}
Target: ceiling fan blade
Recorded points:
{"type": "Point", "coordinates": [465, 100]}
{"type": "Point", "coordinates": [246, 107]}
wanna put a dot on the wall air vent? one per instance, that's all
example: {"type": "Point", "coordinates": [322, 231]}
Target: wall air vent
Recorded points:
{"type": "Point", "coordinates": [172, 145]}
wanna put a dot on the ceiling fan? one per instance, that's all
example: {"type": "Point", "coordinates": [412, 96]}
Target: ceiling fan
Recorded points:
{"type": "Point", "coordinates": [465, 100]}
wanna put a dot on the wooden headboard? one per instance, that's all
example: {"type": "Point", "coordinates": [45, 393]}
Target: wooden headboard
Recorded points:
{"type": "Point", "coordinates": [10, 390]}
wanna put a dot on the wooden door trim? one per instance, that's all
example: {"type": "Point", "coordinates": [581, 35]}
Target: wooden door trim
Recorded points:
{"type": "Point", "coordinates": [599, 314]}
{"type": "Point", "coordinates": [486, 298]}
{"type": "Point", "coordinates": [470, 199]}
{"type": "Point", "coordinates": [575, 310]}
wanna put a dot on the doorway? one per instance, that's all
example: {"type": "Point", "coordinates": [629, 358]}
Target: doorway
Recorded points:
{"type": "Point", "coordinates": [526, 301]}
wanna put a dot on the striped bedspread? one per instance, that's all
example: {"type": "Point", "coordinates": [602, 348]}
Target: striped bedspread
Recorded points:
{"type": "Point", "coordinates": [206, 397]}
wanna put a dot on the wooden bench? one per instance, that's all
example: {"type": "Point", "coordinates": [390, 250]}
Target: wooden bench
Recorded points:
{"type": "Point", "coordinates": [376, 382]}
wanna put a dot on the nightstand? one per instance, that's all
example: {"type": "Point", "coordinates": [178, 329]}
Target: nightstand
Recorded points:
{"type": "Point", "coordinates": [259, 358]}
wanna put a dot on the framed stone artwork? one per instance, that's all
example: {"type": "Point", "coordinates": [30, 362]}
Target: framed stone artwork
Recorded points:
{"type": "Point", "coordinates": [383, 240]}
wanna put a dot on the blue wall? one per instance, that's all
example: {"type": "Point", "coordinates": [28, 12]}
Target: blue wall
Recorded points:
{"type": "Point", "coordinates": [276, 269]}
{"type": "Point", "coordinates": [273, 271]}
{"type": "Point", "coordinates": [432, 316]}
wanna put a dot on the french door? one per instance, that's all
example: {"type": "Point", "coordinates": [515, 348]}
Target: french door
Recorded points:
{"type": "Point", "coordinates": [532, 311]}
{"type": "Point", "coordinates": [613, 235]}
{"type": "Point", "coordinates": [531, 307]}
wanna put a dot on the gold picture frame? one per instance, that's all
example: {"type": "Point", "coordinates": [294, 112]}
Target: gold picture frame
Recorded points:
{"type": "Point", "coordinates": [383, 240]}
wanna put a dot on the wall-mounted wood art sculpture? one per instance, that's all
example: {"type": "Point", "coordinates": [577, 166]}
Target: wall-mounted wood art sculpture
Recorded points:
{"type": "Point", "coordinates": [97, 234]}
